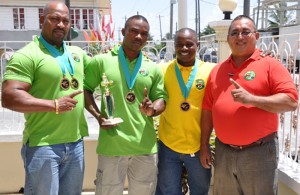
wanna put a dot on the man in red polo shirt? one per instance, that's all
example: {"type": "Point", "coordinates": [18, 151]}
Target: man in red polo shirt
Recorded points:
{"type": "Point", "coordinates": [243, 97]}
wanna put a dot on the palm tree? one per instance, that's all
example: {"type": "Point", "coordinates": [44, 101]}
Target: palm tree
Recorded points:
{"type": "Point", "coordinates": [279, 16]}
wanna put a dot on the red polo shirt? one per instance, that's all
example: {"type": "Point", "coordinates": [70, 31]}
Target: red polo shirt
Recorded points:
{"type": "Point", "coordinates": [240, 124]}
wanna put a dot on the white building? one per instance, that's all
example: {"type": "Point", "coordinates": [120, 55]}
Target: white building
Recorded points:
{"type": "Point", "coordinates": [19, 19]}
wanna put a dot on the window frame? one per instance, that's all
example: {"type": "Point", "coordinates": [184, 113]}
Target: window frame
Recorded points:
{"type": "Point", "coordinates": [18, 18]}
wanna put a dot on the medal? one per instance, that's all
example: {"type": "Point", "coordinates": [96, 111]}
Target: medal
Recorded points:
{"type": "Point", "coordinates": [185, 106]}
{"type": "Point", "coordinates": [130, 78]}
{"type": "Point", "coordinates": [64, 84]}
{"type": "Point", "coordinates": [74, 83]}
{"type": "Point", "coordinates": [65, 61]}
{"type": "Point", "coordinates": [130, 97]}
{"type": "Point", "coordinates": [186, 88]}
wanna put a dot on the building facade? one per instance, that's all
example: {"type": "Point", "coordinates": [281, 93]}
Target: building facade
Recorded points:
{"type": "Point", "coordinates": [19, 19]}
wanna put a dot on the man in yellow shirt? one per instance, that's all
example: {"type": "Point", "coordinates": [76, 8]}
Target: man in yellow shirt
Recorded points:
{"type": "Point", "coordinates": [179, 129]}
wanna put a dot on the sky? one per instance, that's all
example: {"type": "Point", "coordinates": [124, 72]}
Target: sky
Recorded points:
{"type": "Point", "coordinates": [152, 9]}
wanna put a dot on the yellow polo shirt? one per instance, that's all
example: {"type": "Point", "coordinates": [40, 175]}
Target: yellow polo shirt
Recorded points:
{"type": "Point", "coordinates": [180, 130]}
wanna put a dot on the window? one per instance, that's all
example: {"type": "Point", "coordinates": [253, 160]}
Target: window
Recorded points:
{"type": "Point", "coordinates": [82, 18]}
{"type": "Point", "coordinates": [75, 18]}
{"type": "Point", "coordinates": [40, 14]}
{"type": "Point", "coordinates": [19, 18]}
{"type": "Point", "coordinates": [88, 18]}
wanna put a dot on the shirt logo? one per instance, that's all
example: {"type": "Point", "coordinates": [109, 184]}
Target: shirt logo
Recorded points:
{"type": "Point", "coordinates": [144, 72]}
{"type": "Point", "coordinates": [75, 57]}
{"type": "Point", "coordinates": [250, 75]}
{"type": "Point", "coordinates": [200, 84]}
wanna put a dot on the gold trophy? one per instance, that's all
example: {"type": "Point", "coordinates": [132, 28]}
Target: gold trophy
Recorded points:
{"type": "Point", "coordinates": [109, 103]}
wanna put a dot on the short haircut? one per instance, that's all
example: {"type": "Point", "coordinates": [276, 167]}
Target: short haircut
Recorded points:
{"type": "Point", "coordinates": [136, 17]}
{"type": "Point", "coordinates": [185, 29]}
{"type": "Point", "coordinates": [239, 17]}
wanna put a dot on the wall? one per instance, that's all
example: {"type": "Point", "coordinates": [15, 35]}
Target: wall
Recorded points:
{"type": "Point", "coordinates": [285, 190]}
{"type": "Point", "coordinates": [12, 171]}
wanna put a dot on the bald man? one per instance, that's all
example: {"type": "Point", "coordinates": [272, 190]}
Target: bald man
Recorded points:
{"type": "Point", "coordinates": [44, 81]}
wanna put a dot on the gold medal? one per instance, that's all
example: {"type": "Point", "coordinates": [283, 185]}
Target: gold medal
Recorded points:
{"type": "Point", "coordinates": [185, 106]}
{"type": "Point", "coordinates": [130, 97]}
{"type": "Point", "coordinates": [74, 83]}
{"type": "Point", "coordinates": [64, 84]}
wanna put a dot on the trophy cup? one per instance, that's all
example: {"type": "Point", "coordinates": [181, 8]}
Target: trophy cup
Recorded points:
{"type": "Point", "coordinates": [109, 102]}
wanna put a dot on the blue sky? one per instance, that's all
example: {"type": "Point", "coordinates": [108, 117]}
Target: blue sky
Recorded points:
{"type": "Point", "coordinates": [151, 9]}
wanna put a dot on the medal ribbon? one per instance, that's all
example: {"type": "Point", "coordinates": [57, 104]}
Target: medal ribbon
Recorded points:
{"type": "Point", "coordinates": [130, 79]}
{"type": "Point", "coordinates": [185, 89]}
{"type": "Point", "coordinates": [64, 60]}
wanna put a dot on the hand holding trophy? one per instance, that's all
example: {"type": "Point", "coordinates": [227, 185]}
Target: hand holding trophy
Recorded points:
{"type": "Point", "coordinates": [109, 103]}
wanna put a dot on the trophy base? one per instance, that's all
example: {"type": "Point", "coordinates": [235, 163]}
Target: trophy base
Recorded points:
{"type": "Point", "coordinates": [112, 121]}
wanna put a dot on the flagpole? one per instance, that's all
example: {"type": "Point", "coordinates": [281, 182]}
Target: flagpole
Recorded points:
{"type": "Point", "coordinates": [67, 2]}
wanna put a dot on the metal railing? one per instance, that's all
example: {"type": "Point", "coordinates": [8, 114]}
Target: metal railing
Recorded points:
{"type": "Point", "coordinates": [158, 52]}
{"type": "Point", "coordinates": [285, 48]}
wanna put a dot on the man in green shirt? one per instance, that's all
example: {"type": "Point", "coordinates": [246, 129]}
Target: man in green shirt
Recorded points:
{"type": "Point", "coordinates": [129, 148]}
{"type": "Point", "coordinates": [44, 80]}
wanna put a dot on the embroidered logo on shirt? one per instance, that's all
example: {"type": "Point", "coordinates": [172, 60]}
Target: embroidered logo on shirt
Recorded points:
{"type": "Point", "coordinates": [250, 75]}
{"type": "Point", "coordinates": [75, 57]}
{"type": "Point", "coordinates": [200, 84]}
{"type": "Point", "coordinates": [144, 72]}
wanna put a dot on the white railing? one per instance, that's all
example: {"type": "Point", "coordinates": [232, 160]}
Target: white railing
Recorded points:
{"type": "Point", "coordinates": [285, 48]}
{"type": "Point", "coordinates": [158, 52]}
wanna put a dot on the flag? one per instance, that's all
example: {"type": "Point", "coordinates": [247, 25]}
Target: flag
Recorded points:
{"type": "Point", "coordinates": [103, 23]}
{"type": "Point", "coordinates": [86, 36]}
{"type": "Point", "coordinates": [97, 28]}
{"type": "Point", "coordinates": [108, 29]}
{"type": "Point", "coordinates": [110, 26]}
{"type": "Point", "coordinates": [112, 36]}
{"type": "Point", "coordinates": [93, 33]}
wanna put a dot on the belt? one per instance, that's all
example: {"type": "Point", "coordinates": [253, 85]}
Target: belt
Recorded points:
{"type": "Point", "coordinates": [259, 142]}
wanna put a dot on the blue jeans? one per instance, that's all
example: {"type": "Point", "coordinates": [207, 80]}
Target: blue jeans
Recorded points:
{"type": "Point", "coordinates": [54, 170]}
{"type": "Point", "coordinates": [170, 165]}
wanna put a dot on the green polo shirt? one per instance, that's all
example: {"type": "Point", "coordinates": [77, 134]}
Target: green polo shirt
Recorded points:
{"type": "Point", "coordinates": [33, 64]}
{"type": "Point", "coordinates": [136, 135]}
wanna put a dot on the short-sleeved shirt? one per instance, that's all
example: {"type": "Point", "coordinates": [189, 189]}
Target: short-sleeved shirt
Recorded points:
{"type": "Point", "coordinates": [136, 135]}
{"type": "Point", "coordinates": [178, 129]}
{"type": "Point", "coordinates": [34, 64]}
{"type": "Point", "coordinates": [240, 124]}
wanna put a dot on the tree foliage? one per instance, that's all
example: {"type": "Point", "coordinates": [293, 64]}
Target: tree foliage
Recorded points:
{"type": "Point", "coordinates": [168, 36]}
{"type": "Point", "coordinates": [274, 17]}
{"type": "Point", "coordinates": [150, 37]}
{"type": "Point", "coordinates": [207, 31]}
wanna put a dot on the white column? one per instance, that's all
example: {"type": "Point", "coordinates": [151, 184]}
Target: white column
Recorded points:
{"type": "Point", "coordinates": [221, 28]}
{"type": "Point", "coordinates": [182, 14]}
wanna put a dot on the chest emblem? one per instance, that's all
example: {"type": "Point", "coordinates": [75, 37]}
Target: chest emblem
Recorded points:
{"type": "Point", "coordinates": [250, 75]}
{"type": "Point", "coordinates": [75, 57]}
{"type": "Point", "coordinates": [144, 72]}
{"type": "Point", "coordinates": [200, 84]}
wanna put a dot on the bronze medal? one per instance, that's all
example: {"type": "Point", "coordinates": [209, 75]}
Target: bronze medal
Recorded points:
{"type": "Point", "coordinates": [64, 84]}
{"type": "Point", "coordinates": [74, 83]}
{"type": "Point", "coordinates": [185, 106]}
{"type": "Point", "coordinates": [130, 97]}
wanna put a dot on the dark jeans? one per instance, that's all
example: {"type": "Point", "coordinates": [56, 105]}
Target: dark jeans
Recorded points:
{"type": "Point", "coordinates": [170, 165]}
